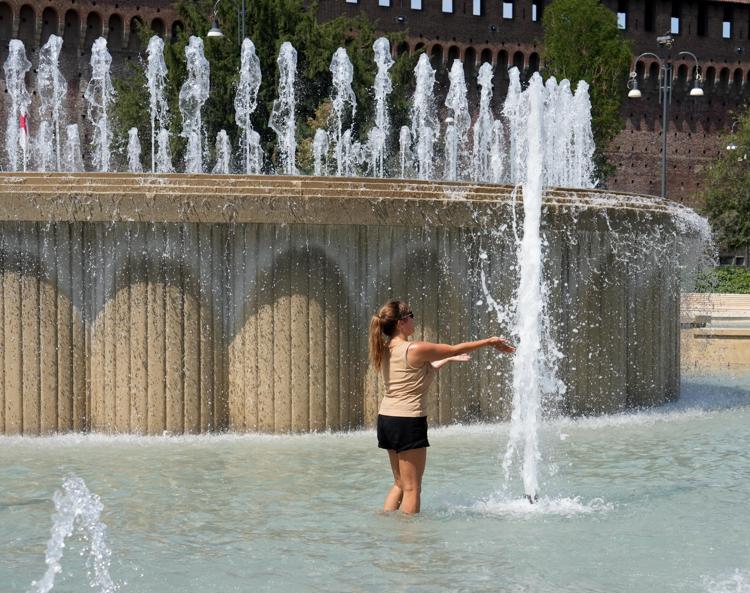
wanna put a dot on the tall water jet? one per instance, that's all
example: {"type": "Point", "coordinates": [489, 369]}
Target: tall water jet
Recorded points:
{"type": "Point", "coordinates": [527, 363]}
{"type": "Point", "coordinates": [424, 125]}
{"type": "Point", "coordinates": [156, 82]}
{"type": "Point", "coordinates": [193, 95]}
{"type": "Point", "coordinates": [561, 136]}
{"type": "Point", "coordinates": [134, 152]}
{"type": "Point", "coordinates": [405, 153]}
{"type": "Point", "coordinates": [512, 111]}
{"type": "Point", "coordinates": [163, 153]}
{"type": "Point", "coordinates": [16, 66]}
{"type": "Point", "coordinates": [583, 138]}
{"type": "Point", "coordinates": [483, 127]}
{"type": "Point", "coordinates": [223, 153]}
{"type": "Point", "coordinates": [51, 87]}
{"type": "Point", "coordinates": [378, 136]}
{"type": "Point", "coordinates": [458, 105]}
{"type": "Point", "coordinates": [245, 102]}
{"type": "Point", "coordinates": [77, 507]}
{"type": "Point", "coordinates": [344, 106]}
{"type": "Point", "coordinates": [44, 148]}
{"type": "Point", "coordinates": [282, 120]}
{"type": "Point", "coordinates": [99, 96]}
{"type": "Point", "coordinates": [551, 116]}
{"type": "Point", "coordinates": [72, 159]}
{"type": "Point", "coordinates": [320, 153]}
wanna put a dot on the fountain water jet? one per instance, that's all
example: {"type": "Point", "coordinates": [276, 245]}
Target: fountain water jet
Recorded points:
{"type": "Point", "coordinates": [51, 88]}
{"type": "Point", "coordinates": [378, 135]}
{"type": "Point", "coordinates": [223, 153]}
{"type": "Point", "coordinates": [320, 152]}
{"type": "Point", "coordinates": [16, 66]}
{"type": "Point", "coordinates": [99, 96]}
{"type": "Point", "coordinates": [156, 82]}
{"type": "Point", "coordinates": [458, 104]}
{"type": "Point", "coordinates": [245, 102]}
{"type": "Point", "coordinates": [282, 120]}
{"type": "Point", "coordinates": [483, 128]}
{"type": "Point", "coordinates": [163, 154]}
{"type": "Point", "coordinates": [77, 508]}
{"type": "Point", "coordinates": [424, 125]}
{"type": "Point", "coordinates": [193, 95]}
{"type": "Point", "coordinates": [342, 73]}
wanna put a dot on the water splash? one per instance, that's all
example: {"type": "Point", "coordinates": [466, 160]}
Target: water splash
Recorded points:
{"type": "Point", "coordinates": [583, 138]}
{"type": "Point", "coordinates": [406, 158]}
{"type": "Point", "coordinates": [320, 153]}
{"type": "Point", "coordinates": [72, 158]}
{"type": "Point", "coordinates": [193, 95]}
{"type": "Point", "coordinates": [513, 113]}
{"type": "Point", "coordinates": [497, 169]}
{"type": "Point", "coordinates": [424, 125]}
{"type": "Point", "coordinates": [99, 96]}
{"type": "Point", "coordinates": [245, 102]}
{"type": "Point", "coordinates": [77, 510]}
{"type": "Point", "coordinates": [223, 153]}
{"type": "Point", "coordinates": [134, 152]}
{"type": "Point", "coordinates": [458, 105]}
{"type": "Point", "coordinates": [163, 154]}
{"type": "Point", "coordinates": [16, 66]}
{"type": "Point", "coordinates": [156, 82]}
{"type": "Point", "coordinates": [342, 73]}
{"type": "Point", "coordinates": [51, 87]}
{"type": "Point", "coordinates": [44, 148]}
{"type": "Point", "coordinates": [282, 120]}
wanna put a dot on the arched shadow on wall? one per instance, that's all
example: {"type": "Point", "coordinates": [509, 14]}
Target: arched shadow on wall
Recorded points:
{"type": "Point", "coordinates": [42, 362]}
{"type": "Point", "coordinates": [294, 354]}
{"type": "Point", "coordinates": [157, 360]}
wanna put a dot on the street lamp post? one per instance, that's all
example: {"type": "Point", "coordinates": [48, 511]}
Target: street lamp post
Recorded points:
{"type": "Point", "coordinates": [665, 91]}
{"type": "Point", "coordinates": [215, 30]}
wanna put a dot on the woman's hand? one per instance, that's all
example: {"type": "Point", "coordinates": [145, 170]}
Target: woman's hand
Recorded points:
{"type": "Point", "coordinates": [500, 344]}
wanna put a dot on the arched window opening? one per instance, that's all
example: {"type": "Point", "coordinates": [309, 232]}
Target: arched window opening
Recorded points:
{"type": "Point", "coordinates": [116, 32]}
{"type": "Point", "coordinates": [134, 38]}
{"type": "Point", "coordinates": [453, 54]}
{"type": "Point", "coordinates": [402, 49]}
{"type": "Point", "coordinates": [49, 24]}
{"type": "Point", "coordinates": [436, 55]}
{"type": "Point", "coordinates": [157, 26]}
{"type": "Point", "coordinates": [72, 31]}
{"type": "Point", "coordinates": [177, 28]}
{"type": "Point", "coordinates": [533, 63]}
{"type": "Point", "coordinates": [93, 29]}
{"type": "Point", "coordinates": [27, 25]}
{"type": "Point", "coordinates": [486, 56]}
{"type": "Point", "coordinates": [518, 60]}
{"type": "Point", "coordinates": [6, 21]}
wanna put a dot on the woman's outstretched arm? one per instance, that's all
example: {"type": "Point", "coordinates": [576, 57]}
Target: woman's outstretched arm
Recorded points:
{"type": "Point", "coordinates": [422, 352]}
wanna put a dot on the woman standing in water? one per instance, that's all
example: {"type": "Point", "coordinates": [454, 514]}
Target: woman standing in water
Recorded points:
{"type": "Point", "coordinates": [408, 369]}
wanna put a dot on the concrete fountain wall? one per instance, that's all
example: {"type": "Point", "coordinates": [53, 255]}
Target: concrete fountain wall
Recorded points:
{"type": "Point", "coordinates": [201, 303]}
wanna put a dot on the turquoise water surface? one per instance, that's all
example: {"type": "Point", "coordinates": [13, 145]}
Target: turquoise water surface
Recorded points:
{"type": "Point", "coordinates": [655, 501]}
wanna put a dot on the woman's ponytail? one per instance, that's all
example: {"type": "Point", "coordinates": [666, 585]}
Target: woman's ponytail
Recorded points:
{"type": "Point", "coordinates": [382, 327]}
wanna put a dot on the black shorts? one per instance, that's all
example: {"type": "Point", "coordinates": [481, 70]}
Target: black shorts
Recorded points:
{"type": "Point", "coordinates": [401, 433]}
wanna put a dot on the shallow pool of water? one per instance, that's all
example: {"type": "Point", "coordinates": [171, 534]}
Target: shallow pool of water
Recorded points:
{"type": "Point", "coordinates": [655, 501]}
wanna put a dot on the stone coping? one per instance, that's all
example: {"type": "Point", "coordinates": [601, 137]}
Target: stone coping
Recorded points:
{"type": "Point", "coordinates": [722, 332]}
{"type": "Point", "coordinates": [106, 197]}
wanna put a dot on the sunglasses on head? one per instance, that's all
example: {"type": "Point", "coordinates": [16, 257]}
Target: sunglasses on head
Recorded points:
{"type": "Point", "coordinates": [409, 315]}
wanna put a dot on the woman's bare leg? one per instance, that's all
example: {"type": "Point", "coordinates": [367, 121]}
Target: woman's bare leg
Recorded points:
{"type": "Point", "coordinates": [393, 500]}
{"type": "Point", "coordinates": [411, 469]}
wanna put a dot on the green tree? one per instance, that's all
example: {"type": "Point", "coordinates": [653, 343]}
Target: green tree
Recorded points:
{"type": "Point", "coordinates": [582, 42]}
{"type": "Point", "coordinates": [726, 197]}
{"type": "Point", "coordinates": [268, 23]}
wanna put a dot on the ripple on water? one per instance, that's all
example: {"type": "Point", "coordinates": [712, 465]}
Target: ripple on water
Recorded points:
{"type": "Point", "coordinates": [739, 582]}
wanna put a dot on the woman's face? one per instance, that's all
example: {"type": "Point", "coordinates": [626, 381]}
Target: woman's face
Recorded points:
{"type": "Point", "coordinates": [406, 323]}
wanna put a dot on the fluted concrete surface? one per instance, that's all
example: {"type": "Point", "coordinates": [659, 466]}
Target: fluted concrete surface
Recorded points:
{"type": "Point", "coordinates": [198, 303]}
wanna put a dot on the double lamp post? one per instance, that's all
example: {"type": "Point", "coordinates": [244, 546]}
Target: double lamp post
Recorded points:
{"type": "Point", "coordinates": [665, 42]}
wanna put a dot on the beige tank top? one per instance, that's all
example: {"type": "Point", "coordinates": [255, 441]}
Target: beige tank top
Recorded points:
{"type": "Point", "coordinates": [405, 386]}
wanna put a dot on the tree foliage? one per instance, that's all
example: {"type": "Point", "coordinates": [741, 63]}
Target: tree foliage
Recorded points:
{"type": "Point", "coordinates": [729, 280]}
{"type": "Point", "coordinates": [582, 42]}
{"type": "Point", "coordinates": [268, 23]}
{"type": "Point", "coordinates": [726, 197]}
